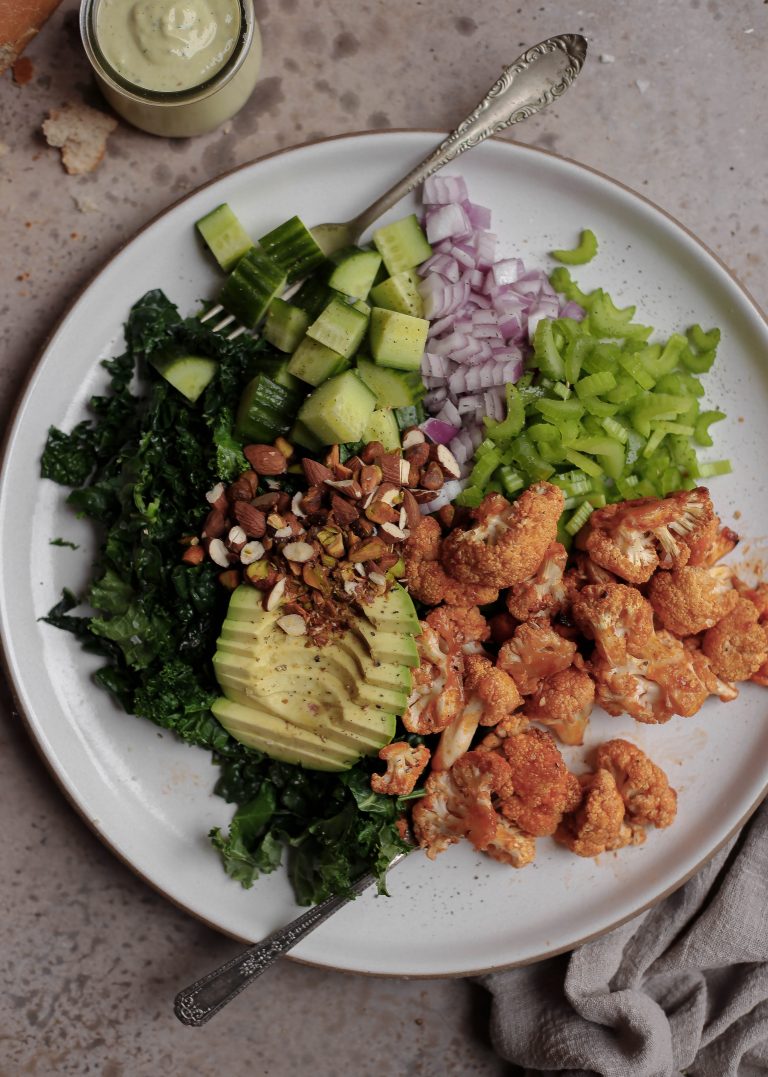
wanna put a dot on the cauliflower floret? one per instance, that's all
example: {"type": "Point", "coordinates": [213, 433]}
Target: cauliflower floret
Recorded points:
{"type": "Point", "coordinates": [543, 593]}
{"type": "Point", "coordinates": [541, 788]}
{"type": "Point", "coordinates": [490, 696]}
{"type": "Point", "coordinates": [534, 652]}
{"type": "Point", "coordinates": [712, 543]}
{"type": "Point", "coordinates": [689, 600]}
{"type": "Point", "coordinates": [736, 646]}
{"type": "Point", "coordinates": [598, 822]}
{"type": "Point", "coordinates": [405, 764]}
{"type": "Point", "coordinates": [724, 690]}
{"type": "Point", "coordinates": [437, 694]}
{"type": "Point", "coordinates": [563, 703]}
{"type": "Point", "coordinates": [644, 787]}
{"type": "Point", "coordinates": [509, 541]}
{"type": "Point", "coordinates": [428, 580]}
{"type": "Point", "coordinates": [462, 626]}
{"type": "Point", "coordinates": [587, 571]}
{"type": "Point", "coordinates": [757, 595]}
{"type": "Point", "coordinates": [507, 727]}
{"type": "Point", "coordinates": [511, 845]}
{"type": "Point", "coordinates": [652, 687]}
{"type": "Point", "coordinates": [457, 803]}
{"type": "Point", "coordinates": [616, 617]}
{"type": "Point", "coordinates": [634, 538]}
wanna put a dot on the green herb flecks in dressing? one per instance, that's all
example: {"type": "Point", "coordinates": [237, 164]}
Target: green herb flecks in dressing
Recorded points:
{"type": "Point", "coordinates": [167, 45]}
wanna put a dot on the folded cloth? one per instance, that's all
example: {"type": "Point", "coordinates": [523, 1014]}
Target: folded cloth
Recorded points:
{"type": "Point", "coordinates": [681, 988]}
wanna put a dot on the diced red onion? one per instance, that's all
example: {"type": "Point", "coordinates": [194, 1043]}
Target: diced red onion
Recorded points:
{"type": "Point", "coordinates": [479, 216]}
{"type": "Point", "coordinates": [572, 310]}
{"type": "Point", "coordinates": [507, 271]}
{"type": "Point", "coordinates": [449, 414]}
{"type": "Point", "coordinates": [444, 189]}
{"type": "Point", "coordinates": [447, 221]}
{"type": "Point", "coordinates": [440, 432]}
{"type": "Point", "coordinates": [449, 491]}
{"type": "Point", "coordinates": [435, 366]}
{"type": "Point", "coordinates": [444, 264]}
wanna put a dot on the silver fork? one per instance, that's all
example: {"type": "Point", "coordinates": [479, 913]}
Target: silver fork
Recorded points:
{"type": "Point", "coordinates": [534, 80]}
{"type": "Point", "coordinates": [197, 1003]}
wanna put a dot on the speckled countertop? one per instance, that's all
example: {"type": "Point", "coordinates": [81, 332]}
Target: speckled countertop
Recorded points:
{"type": "Point", "coordinates": [671, 103]}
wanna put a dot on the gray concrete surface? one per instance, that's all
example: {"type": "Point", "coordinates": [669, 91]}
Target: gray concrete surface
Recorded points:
{"type": "Point", "coordinates": [671, 103]}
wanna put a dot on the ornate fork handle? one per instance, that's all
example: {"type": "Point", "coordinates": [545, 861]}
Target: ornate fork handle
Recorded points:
{"type": "Point", "coordinates": [535, 79]}
{"type": "Point", "coordinates": [197, 1003]}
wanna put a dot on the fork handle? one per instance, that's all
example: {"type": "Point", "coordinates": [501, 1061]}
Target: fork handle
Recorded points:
{"type": "Point", "coordinates": [197, 1003]}
{"type": "Point", "coordinates": [534, 80]}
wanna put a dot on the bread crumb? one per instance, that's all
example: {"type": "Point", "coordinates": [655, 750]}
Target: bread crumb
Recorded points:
{"type": "Point", "coordinates": [23, 71]}
{"type": "Point", "coordinates": [86, 204]}
{"type": "Point", "coordinates": [81, 133]}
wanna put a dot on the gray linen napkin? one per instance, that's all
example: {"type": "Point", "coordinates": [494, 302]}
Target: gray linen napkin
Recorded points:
{"type": "Point", "coordinates": [682, 988]}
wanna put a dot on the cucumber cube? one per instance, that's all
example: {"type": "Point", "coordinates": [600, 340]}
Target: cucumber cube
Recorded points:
{"type": "Point", "coordinates": [392, 388]}
{"type": "Point", "coordinates": [402, 244]}
{"type": "Point", "coordinates": [397, 340]}
{"type": "Point", "coordinates": [314, 362]}
{"type": "Point", "coordinates": [382, 426]}
{"type": "Point", "coordinates": [251, 287]}
{"type": "Point", "coordinates": [339, 327]}
{"type": "Point", "coordinates": [339, 410]}
{"type": "Point", "coordinates": [355, 272]}
{"type": "Point", "coordinates": [400, 293]}
{"type": "Point", "coordinates": [190, 374]}
{"type": "Point", "coordinates": [285, 325]}
{"type": "Point", "coordinates": [224, 235]}
{"type": "Point", "coordinates": [292, 247]}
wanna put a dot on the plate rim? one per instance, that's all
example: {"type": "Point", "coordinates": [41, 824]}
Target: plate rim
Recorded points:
{"type": "Point", "coordinates": [10, 432]}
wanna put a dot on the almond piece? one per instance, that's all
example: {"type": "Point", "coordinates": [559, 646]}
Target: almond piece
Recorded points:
{"type": "Point", "coordinates": [368, 550]}
{"type": "Point", "coordinates": [217, 552]}
{"type": "Point", "coordinates": [348, 487]}
{"type": "Point", "coordinates": [370, 477]}
{"type": "Point", "coordinates": [315, 472]}
{"type": "Point", "coordinates": [298, 551]}
{"type": "Point", "coordinates": [394, 532]}
{"type": "Point", "coordinates": [244, 487]}
{"type": "Point", "coordinates": [411, 507]}
{"type": "Point", "coordinates": [292, 624]}
{"type": "Point", "coordinates": [344, 511]}
{"type": "Point", "coordinates": [265, 459]}
{"type": "Point", "coordinates": [252, 552]}
{"type": "Point", "coordinates": [371, 453]}
{"type": "Point", "coordinates": [193, 555]}
{"type": "Point", "coordinates": [413, 437]}
{"type": "Point", "coordinates": [448, 462]}
{"type": "Point", "coordinates": [252, 520]}
{"type": "Point", "coordinates": [275, 596]}
{"type": "Point", "coordinates": [215, 496]}
{"type": "Point", "coordinates": [215, 524]}
{"type": "Point", "coordinates": [418, 456]}
{"type": "Point", "coordinates": [432, 477]}
{"type": "Point", "coordinates": [382, 513]}
{"type": "Point", "coordinates": [229, 579]}
{"type": "Point", "coordinates": [390, 468]}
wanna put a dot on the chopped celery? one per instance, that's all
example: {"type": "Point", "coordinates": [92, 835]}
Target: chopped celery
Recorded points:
{"type": "Point", "coordinates": [579, 518]}
{"type": "Point", "coordinates": [558, 410]}
{"type": "Point", "coordinates": [579, 460]}
{"type": "Point", "coordinates": [548, 359]}
{"type": "Point", "coordinates": [511, 426]}
{"type": "Point", "coordinates": [485, 466]}
{"type": "Point", "coordinates": [470, 497]}
{"type": "Point", "coordinates": [579, 255]}
{"type": "Point", "coordinates": [701, 433]}
{"type": "Point", "coordinates": [715, 467]}
{"type": "Point", "coordinates": [594, 384]}
{"type": "Point", "coordinates": [560, 279]}
{"type": "Point", "coordinates": [511, 481]}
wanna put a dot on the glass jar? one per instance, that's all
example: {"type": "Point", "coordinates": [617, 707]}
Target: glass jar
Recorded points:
{"type": "Point", "coordinates": [178, 113]}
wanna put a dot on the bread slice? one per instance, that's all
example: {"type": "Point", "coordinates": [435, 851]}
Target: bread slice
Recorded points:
{"type": "Point", "coordinates": [81, 133]}
{"type": "Point", "coordinates": [20, 20]}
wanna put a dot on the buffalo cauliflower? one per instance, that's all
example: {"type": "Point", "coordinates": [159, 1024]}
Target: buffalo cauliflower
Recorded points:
{"type": "Point", "coordinates": [437, 695]}
{"type": "Point", "coordinates": [616, 617]}
{"type": "Point", "coordinates": [508, 727]}
{"type": "Point", "coordinates": [490, 696]}
{"type": "Point", "coordinates": [457, 803]}
{"type": "Point", "coordinates": [543, 593]}
{"type": "Point", "coordinates": [634, 538]}
{"type": "Point", "coordinates": [462, 626]}
{"type": "Point", "coordinates": [689, 600]}
{"type": "Point", "coordinates": [511, 845]}
{"type": "Point", "coordinates": [541, 788]}
{"type": "Point", "coordinates": [428, 580]}
{"type": "Point", "coordinates": [736, 646]}
{"type": "Point", "coordinates": [597, 824]}
{"type": "Point", "coordinates": [712, 543]}
{"type": "Point", "coordinates": [509, 541]}
{"type": "Point", "coordinates": [563, 703]}
{"type": "Point", "coordinates": [405, 764]}
{"type": "Point", "coordinates": [534, 652]}
{"type": "Point", "coordinates": [648, 798]}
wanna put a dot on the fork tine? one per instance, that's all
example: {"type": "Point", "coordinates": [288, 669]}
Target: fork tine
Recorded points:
{"type": "Point", "coordinates": [224, 323]}
{"type": "Point", "coordinates": [237, 333]}
{"type": "Point", "coordinates": [212, 312]}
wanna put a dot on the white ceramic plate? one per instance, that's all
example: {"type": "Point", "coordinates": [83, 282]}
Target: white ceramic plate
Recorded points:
{"type": "Point", "coordinates": [150, 798]}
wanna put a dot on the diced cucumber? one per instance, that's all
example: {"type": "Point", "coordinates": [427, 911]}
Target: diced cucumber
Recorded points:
{"type": "Point", "coordinates": [355, 271]}
{"type": "Point", "coordinates": [301, 435]}
{"type": "Point", "coordinates": [224, 235]}
{"type": "Point", "coordinates": [363, 307]}
{"type": "Point", "coordinates": [312, 296]}
{"type": "Point", "coordinates": [392, 388]}
{"type": "Point", "coordinates": [338, 410]}
{"type": "Point", "coordinates": [190, 374]}
{"type": "Point", "coordinates": [402, 244]}
{"type": "Point", "coordinates": [285, 325]}
{"type": "Point", "coordinates": [314, 362]}
{"type": "Point", "coordinates": [382, 426]}
{"type": "Point", "coordinates": [265, 411]}
{"type": "Point", "coordinates": [396, 339]}
{"type": "Point", "coordinates": [400, 293]}
{"type": "Point", "coordinates": [339, 327]}
{"type": "Point", "coordinates": [292, 247]}
{"type": "Point", "coordinates": [277, 370]}
{"type": "Point", "coordinates": [251, 287]}
{"type": "Point", "coordinates": [410, 416]}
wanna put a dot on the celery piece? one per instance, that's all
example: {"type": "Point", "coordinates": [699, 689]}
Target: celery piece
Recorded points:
{"type": "Point", "coordinates": [637, 369]}
{"type": "Point", "coordinates": [529, 461]}
{"type": "Point", "coordinates": [579, 518]}
{"type": "Point", "coordinates": [561, 390]}
{"type": "Point", "coordinates": [556, 411]}
{"type": "Point", "coordinates": [484, 447]}
{"type": "Point", "coordinates": [561, 281]}
{"type": "Point", "coordinates": [627, 486]}
{"type": "Point", "coordinates": [470, 497]}
{"type": "Point", "coordinates": [671, 480]}
{"type": "Point", "coordinates": [657, 406]}
{"type": "Point", "coordinates": [543, 432]}
{"type": "Point", "coordinates": [511, 426]}
{"type": "Point", "coordinates": [573, 483]}
{"type": "Point", "coordinates": [711, 468]}
{"type": "Point", "coordinates": [584, 462]}
{"type": "Point", "coordinates": [615, 429]}
{"type": "Point", "coordinates": [484, 468]}
{"type": "Point", "coordinates": [581, 254]}
{"type": "Point", "coordinates": [701, 433]}
{"type": "Point", "coordinates": [511, 481]}
{"type": "Point", "coordinates": [670, 427]}
{"type": "Point", "coordinates": [683, 456]}
{"type": "Point", "coordinates": [546, 356]}
{"type": "Point", "coordinates": [664, 363]}
{"type": "Point", "coordinates": [701, 341]}
{"type": "Point", "coordinates": [653, 442]}
{"type": "Point", "coordinates": [599, 408]}
{"type": "Point", "coordinates": [594, 384]}
{"type": "Point", "coordinates": [576, 352]}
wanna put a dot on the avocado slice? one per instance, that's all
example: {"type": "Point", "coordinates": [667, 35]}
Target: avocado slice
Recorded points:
{"type": "Point", "coordinates": [322, 707]}
{"type": "Point", "coordinates": [393, 611]}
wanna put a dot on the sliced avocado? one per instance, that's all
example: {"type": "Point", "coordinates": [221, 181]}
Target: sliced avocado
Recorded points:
{"type": "Point", "coordinates": [279, 739]}
{"type": "Point", "coordinates": [389, 646]}
{"type": "Point", "coordinates": [393, 611]}
{"type": "Point", "coordinates": [322, 707]}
